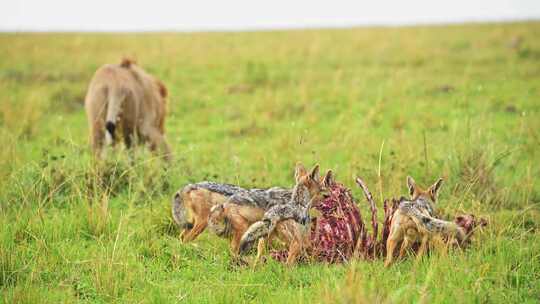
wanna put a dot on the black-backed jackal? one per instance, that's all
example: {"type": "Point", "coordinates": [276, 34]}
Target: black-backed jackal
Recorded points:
{"type": "Point", "coordinates": [191, 205]}
{"type": "Point", "coordinates": [403, 228]}
{"type": "Point", "coordinates": [415, 220]}
{"type": "Point", "coordinates": [288, 222]}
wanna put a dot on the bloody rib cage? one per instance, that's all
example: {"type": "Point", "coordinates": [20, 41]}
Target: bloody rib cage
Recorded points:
{"type": "Point", "coordinates": [339, 233]}
{"type": "Point", "coordinates": [338, 228]}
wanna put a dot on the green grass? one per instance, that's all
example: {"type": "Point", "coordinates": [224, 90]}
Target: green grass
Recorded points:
{"type": "Point", "coordinates": [381, 103]}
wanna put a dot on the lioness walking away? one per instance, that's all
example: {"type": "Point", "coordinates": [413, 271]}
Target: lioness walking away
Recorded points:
{"type": "Point", "coordinates": [124, 95]}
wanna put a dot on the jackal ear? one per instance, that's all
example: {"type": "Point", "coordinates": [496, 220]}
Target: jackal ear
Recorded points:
{"type": "Point", "coordinates": [314, 174]}
{"type": "Point", "coordinates": [434, 189]}
{"type": "Point", "coordinates": [328, 179]}
{"type": "Point", "coordinates": [411, 184]}
{"type": "Point", "coordinates": [217, 208]}
{"type": "Point", "coordinates": [483, 222]}
{"type": "Point", "coordinates": [299, 171]}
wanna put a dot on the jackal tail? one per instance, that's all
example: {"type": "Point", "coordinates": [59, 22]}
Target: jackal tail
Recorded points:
{"type": "Point", "coordinates": [179, 211]}
{"type": "Point", "coordinates": [256, 231]}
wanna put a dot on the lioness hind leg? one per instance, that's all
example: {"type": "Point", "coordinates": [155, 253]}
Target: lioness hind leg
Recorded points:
{"type": "Point", "coordinates": [157, 141]}
{"type": "Point", "coordinates": [128, 133]}
{"type": "Point", "coordinates": [97, 138]}
{"type": "Point", "coordinates": [96, 108]}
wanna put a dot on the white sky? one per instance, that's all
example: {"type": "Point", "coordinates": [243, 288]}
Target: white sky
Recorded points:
{"type": "Point", "coordinates": [196, 15]}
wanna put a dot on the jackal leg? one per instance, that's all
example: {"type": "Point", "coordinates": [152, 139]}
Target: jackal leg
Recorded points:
{"type": "Point", "coordinates": [197, 229]}
{"type": "Point", "coordinates": [297, 243]}
{"type": "Point", "coordinates": [261, 249]}
{"type": "Point", "coordinates": [237, 236]}
{"type": "Point", "coordinates": [423, 245]}
{"type": "Point", "coordinates": [393, 239]}
{"type": "Point", "coordinates": [294, 251]}
{"type": "Point", "coordinates": [404, 246]}
{"type": "Point", "coordinates": [184, 233]}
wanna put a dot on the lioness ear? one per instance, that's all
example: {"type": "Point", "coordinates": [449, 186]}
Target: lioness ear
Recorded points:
{"type": "Point", "coordinates": [434, 189]}
{"type": "Point", "coordinates": [299, 171]}
{"type": "Point", "coordinates": [314, 174]}
{"type": "Point", "coordinates": [127, 62]}
{"type": "Point", "coordinates": [328, 179]}
{"type": "Point", "coordinates": [162, 89]}
{"type": "Point", "coordinates": [411, 184]}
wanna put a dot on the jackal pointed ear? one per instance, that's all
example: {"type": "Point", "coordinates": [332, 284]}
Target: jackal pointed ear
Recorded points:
{"type": "Point", "coordinates": [314, 174]}
{"type": "Point", "coordinates": [411, 184]}
{"type": "Point", "coordinates": [483, 222]}
{"type": "Point", "coordinates": [299, 171]}
{"type": "Point", "coordinates": [434, 189]}
{"type": "Point", "coordinates": [217, 208]}
{"type": "Point", "coordinates": [328, 179]}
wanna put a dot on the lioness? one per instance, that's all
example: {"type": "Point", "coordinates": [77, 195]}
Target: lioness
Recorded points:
{"type": "Point", "coordinates": [125, 95]}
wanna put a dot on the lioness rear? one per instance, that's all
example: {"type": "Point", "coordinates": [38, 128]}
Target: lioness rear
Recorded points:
{"type": "Point", "coordinates": [124, 95]}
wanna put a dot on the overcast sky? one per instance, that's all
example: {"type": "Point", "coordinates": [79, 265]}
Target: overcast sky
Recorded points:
{"type": "Point", "coordinates": [196, 15]}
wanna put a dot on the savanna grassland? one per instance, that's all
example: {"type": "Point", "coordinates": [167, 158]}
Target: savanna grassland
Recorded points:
{"type": "Point", "coordinates": [460, 102]}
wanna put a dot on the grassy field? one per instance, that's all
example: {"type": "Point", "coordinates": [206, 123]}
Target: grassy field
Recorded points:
{"type": "Point", "coordinates": [456, 102]}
